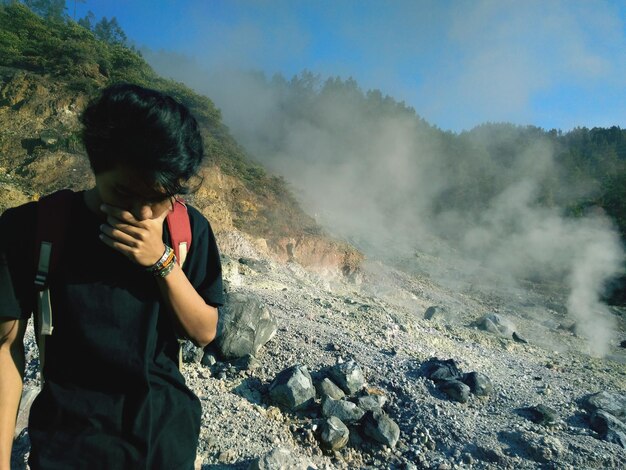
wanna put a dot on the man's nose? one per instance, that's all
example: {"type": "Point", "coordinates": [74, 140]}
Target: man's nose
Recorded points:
{"type": "Point", "coordinates": [142, 211]}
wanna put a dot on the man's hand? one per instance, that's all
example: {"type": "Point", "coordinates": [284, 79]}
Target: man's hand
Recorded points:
{"type": "Point", "coordinates": [141, 241]}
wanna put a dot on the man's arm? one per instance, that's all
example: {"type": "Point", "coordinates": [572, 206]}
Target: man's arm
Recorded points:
{"type": "Point", "coordinates": [11, 377]}
{"type": "Point", "coordinates": [198, 320]}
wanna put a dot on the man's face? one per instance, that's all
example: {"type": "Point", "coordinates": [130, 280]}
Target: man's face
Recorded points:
{"type": "Point", "coordinates": [125, 188]}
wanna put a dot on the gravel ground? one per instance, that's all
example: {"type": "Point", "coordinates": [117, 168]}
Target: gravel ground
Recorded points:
{"type": "Point", "coordinates": [379, 322]}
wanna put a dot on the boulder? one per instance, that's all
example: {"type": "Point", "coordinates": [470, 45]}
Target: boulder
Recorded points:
{"type": "Point", "coordinates": [496, 324]}
{"type": "Point", "coordinates": [345, 410]}
{"type": "Point", "coordinates": [326, 388]}
{"type": "Point", "coordinates": [334, 434]}
{"type": "Point", "coordinates": [612, 402]}
{"type": "Point", "coordinates": [608, 427]}
{"type": "Point", "coordinates": [478, 383]}
{"type": "Point", "coordinates": [245, 325]}
{"type": "Point", "coordinates": [381, 428]}
{"type": "Point", "coordinates": [455, 389]}
{"type": "Point", "coordinates": [293, 388]}
{"type": "Point", "coordinates": [349, 376]}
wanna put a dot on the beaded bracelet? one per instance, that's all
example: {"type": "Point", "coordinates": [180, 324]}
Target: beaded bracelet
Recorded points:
{"type": "Point", "coordinates": [165, 264]}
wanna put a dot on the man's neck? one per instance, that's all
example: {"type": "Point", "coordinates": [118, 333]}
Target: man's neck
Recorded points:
{"type": "Point", "coordinates": [93, 202]}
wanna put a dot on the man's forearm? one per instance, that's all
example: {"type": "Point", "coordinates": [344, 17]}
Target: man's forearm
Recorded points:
{"type": "Point", "coordinates": [11, 376]}
{"type": "Point", "coordinates": [198, 319]}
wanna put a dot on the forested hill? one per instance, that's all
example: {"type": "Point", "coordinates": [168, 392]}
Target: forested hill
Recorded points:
{"type": "Point", "coordinates": [51, 66]}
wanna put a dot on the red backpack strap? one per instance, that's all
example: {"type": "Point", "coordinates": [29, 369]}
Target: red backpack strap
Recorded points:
{"type": "Point", "coordinates": [179, 227]}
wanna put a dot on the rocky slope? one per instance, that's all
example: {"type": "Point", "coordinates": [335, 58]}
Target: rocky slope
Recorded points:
{"type": "Point", "coordinates": [380, 323]}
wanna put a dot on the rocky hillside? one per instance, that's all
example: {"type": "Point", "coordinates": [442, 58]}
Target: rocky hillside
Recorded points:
{"type": "Point", "coordinates": [50, 71]}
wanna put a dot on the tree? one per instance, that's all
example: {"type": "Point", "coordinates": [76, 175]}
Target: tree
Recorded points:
{"type": "Point", "coordinates": [88, 21]}
{"type": "Point", "coordinates": [110, 31]}
{"type": "Point", "coordinates": [49, 9]}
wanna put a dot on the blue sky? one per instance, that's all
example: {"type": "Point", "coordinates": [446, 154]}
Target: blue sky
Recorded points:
{"type": "Point", "coordinates": [554, 64]}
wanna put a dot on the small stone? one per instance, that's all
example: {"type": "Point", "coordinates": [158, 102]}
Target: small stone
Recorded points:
{"type": "Point", "coordinates": [496, 324]}
{"type": "Point", "coordinates": [434, 312]}
{"type": "Point", "coordinates": [335, 434]}
{"type": "Point", "coordinates": [381, 428]}
{"type": "Point", "coordinates": [208, 359]}
{"type": "Point", "coordinates": [326, 388]}
{"type": "Point", "coordinates": [541, 414]}
{"type": "Point", "coordinates": [518, 338]}
{"type": "Point", "coordinates": [479, 384]}
{"type": "Point", "coordinates": [345, 410]}
{"type": "Point", "coordinates": [455, 389]}
{"type": "Point", "coordinates": [371, 402]}
{"type": "Point", "coordinates": [348, 376]}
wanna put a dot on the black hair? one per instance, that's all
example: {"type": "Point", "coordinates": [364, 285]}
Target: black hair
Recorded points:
{"type": "Point", "coordinates": [146, 130]}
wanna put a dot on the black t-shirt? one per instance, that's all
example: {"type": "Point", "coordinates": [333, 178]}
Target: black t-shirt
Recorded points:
{"type": "Point", "coordinates": [113, 395]}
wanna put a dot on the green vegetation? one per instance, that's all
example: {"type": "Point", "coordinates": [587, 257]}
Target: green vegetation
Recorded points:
{"type": "Point", "coordinates": [87, 56]}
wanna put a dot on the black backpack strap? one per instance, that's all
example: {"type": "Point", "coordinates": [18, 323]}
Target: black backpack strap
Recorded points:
{"type": "Point", "coordinates": [53, 217]}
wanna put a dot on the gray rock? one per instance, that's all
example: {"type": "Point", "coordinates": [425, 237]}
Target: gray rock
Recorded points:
{"type": "Point", "coordinates": [541, 414]}
{"type": "Point", "coordinates": [608, 427]}
{"type": "Point", "coordinates": [293, 388]}
{"type": "Point", "coordinates": [371, 402]}
{"type": "Point", "coordinates": [334, 434]}
{"type": "Point", "coordinates": [518, 338]}
{"type": "Point", "coordinates": [245, 325]}
{"type": "Point", "coordinates": [348, 376]}
{"type": "Point", "coordinates": [248, 362]}
{"type": "Point", "coordinates": [434, 312]}
{"type": "Point", "coordinates": [496, 324]}
{"type": "Point", "coordinates": [479, 384]}
{"type": "Point", "coordinates": [28, 396]}
{"type": "Point", "coordinates": [279, 459]}
{"type": "Point", "coordinates": [612, 402]}
{"type": "Point", "coordinates": [49, 137]}
{"type": "Point", "coordinates": [345, 410]}
{"type": "Point", "coordinates": [455, 389]}
{"type": "Point", "coordinates": [191, 353]}
{"type": "Point", "coordinates": [208, 359]}
{"type": "Point", "coordinates": [381, 428]}
{"type": "Point", "coordinates": [326, 388]}
{"type": "Point", "coordinates": [260, 266]}
{"type": "Point", "coordinates": [437, 370]}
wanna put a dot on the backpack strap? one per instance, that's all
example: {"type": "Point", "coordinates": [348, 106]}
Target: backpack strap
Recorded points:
{"type": "Point", "coordinates": [179, 227]}
{"type": "Point", "coordinates": [53, 215]}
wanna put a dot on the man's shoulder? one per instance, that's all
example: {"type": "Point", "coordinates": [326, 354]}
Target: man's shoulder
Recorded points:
{"type": "Point", "coordinates": [18, 215]}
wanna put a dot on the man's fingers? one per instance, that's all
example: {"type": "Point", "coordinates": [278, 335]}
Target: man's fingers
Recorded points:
{"type": "Point", "coordinates": [120, 234]}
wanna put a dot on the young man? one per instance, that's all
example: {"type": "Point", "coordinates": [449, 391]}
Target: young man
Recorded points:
{"type": "Point", "coordinates": [113, 397]}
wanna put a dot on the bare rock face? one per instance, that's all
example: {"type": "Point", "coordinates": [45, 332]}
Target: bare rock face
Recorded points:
{"type": "Point", "coordinates": [293, 388]}
{"type": "Point", "coordinates": [372, 402]}
{"type": "Point", "coordinates": [381, 428]}
{"type": "Point", "coordinates": [349, 376]}
{"type": "Point", "coordinates": [245, 325]}
{"type": "Point", "coordinates": [335, 434]}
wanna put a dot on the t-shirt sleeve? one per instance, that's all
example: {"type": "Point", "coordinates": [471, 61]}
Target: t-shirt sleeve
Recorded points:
{"type": "Point", "coordinates": [203, 266]}
{"type": "Point", "coordinates": [16, 257]}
